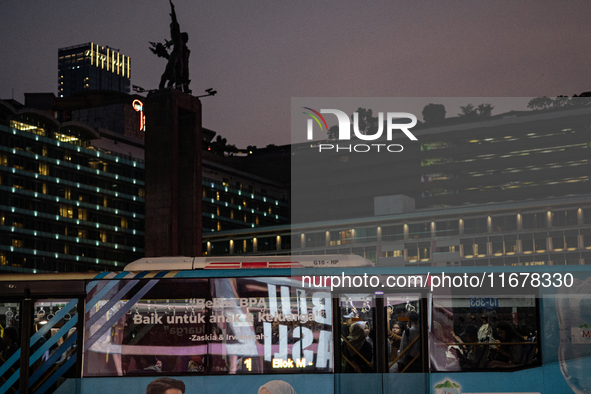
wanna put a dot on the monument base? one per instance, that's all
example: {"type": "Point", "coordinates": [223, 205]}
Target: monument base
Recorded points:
{"type": "Point", "coordinates": [173, 174]}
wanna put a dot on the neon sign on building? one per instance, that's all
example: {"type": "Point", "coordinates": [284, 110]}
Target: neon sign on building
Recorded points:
{"type": "Point", "coordinates": [139, 107]}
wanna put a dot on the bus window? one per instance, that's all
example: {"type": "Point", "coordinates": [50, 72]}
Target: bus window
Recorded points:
{"type": "Point", "coordinates": [269, 325]}
{"type": "Point", "coordinates": [404, 334]}
{"type": "Point", "coordinates": [483, 333]}
{"type": "Point", "coordinates": [140, 327]}
{"type": "Point", "coordinates": [357, 313]}
{"type": "Point", "coordinates": [218, 326]}
{"type": "Point", "coordinates": [9, 355]}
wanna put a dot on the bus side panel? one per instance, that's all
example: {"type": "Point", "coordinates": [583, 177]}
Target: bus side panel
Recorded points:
{"type": "Point", "coordinates": [406, 383]}
{"type": "Point", "coordinates": [70, 386]}
{"type": "Point", "coordinates": [353, 383]}
{"type": "Point", "coordinates": [234, 384]}
{"type": "Point", "coordinates": [528, 381]}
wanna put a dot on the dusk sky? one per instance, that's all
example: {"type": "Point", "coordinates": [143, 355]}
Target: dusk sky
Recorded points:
{"type": "Point", "coordinates": [259, 54]}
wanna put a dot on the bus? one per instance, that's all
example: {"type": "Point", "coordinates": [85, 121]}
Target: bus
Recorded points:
{"type": "Point", "coordinates": [322, 324]}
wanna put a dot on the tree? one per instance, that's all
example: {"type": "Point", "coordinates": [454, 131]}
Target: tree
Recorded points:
{"type": "Point", "coordinates": [539, 103]}
{"type": "Point", "coordinates": [366, 121]}
{"type": "Point", "coordinates": [485, 110]}
{"type": "Point", "coordinates": [231, 148]}
{"type": "Point", "coordinates": [471, 112]}
{"type": "Point", "coordinates": [219, 145]}
{"type": "Point", "coordinates": [561, 101]}
{"type": "Point", "coordinates": [468, 111]}
{"type": "Point", "coordinates": [333, 132]}
{"type": "Point", "coordinates": [433, 113]}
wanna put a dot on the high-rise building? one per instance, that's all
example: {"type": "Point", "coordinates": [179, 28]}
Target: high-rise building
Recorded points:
{"type": "Point", "coordinates": [92, 67]}
{"type": "Point", "coordinates": [71, 196]}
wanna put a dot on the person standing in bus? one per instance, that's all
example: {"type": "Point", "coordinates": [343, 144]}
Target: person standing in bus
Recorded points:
{"type": "Point", "coordinates": [395, 336]}
{"type": "Point", "coordinates": [411, 360]}
{"type": "Point", "coordinates": [357, 350]}
{"type": "Point", "coordinates": [11, 342]}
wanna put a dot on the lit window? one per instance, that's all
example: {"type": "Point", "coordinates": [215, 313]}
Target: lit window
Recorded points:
{"type": "Point", "coordinates": [66, 211]}
{"type": "Point", "coordinates": [82, 214]}
{"type": "Point", "coordinates": [43, 169]}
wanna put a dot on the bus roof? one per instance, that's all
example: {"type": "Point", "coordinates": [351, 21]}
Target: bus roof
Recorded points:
{"type": "Point", "coordinates": [236, 262]}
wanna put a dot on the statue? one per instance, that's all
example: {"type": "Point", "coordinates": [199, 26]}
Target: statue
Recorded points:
{"type": "Point", "coordinates": [177, 68]}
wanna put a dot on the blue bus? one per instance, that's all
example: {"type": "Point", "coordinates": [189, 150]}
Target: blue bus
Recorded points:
{"type": "Point", "coordinates": [322, 324]}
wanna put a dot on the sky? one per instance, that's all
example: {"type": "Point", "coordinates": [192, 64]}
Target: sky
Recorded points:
{"type": "Point", "coordinates": [260, 54]}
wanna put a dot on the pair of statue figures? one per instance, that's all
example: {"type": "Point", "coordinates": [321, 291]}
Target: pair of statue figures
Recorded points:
{"type": "Point", "coordinates": [177, 68]}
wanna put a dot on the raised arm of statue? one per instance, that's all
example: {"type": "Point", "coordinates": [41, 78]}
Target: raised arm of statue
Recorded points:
{"type": "Point", "coordinates": [175, 29]}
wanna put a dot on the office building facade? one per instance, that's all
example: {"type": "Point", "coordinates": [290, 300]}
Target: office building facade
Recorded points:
{"type": "Point", "coordinates": [66, 203]}
{"type": "Point", "coordinates": [509, 190]}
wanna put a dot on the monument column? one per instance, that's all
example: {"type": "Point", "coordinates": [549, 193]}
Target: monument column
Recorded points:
{"type": "Point", "coordinates": [173, 174]}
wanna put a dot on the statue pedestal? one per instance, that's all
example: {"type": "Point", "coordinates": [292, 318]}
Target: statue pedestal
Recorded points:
{"type": "Point", "coordinates": [173, 174]}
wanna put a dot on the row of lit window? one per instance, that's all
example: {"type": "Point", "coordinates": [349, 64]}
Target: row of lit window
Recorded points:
{"type": "Point", "coordinates": [67, 196]}
{"type": "Point", "coordinates": [518, 153]}
{"type": "Point", "coordinates": [78, 222]}
{"type": "Point", "coordinates": [78, 204]}
{"type": "Point", "coordinates": [53, 255]}
{"type": "Point", "coordinates": [508, 138]}
{"type": "Point", "coordinates": [79, 186]}
{"type": "Point", "coordinates": [80, 239]}
{"type": "Point", "coordinates": [44, 168]}
{"type": "Point", "coordinates": [91, 151]}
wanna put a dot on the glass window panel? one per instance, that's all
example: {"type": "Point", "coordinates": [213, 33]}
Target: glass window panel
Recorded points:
{"type": "Point", "coordinates": [540, 245]}
{"type": "Point", "coordinates": [475, 226]}
{"type": "Point", "coordinates": [558, 243]}
{"type": "Point", "coordinates": [510, 247]}
{"type": "Point", "coordinates": [357, 313]}
{"type": "Point", "coordinates": [527, 246]}
{"type": "Point", "coordinates": [564, 218]}
{"type": "Point", "coordinates": [480, 333]}
{"type": "Point", "coordinates": [571, 242]}
{"type": "Point", "coordinates": [154, 326]}
{"type": "Point", "coordinates": [447, 228]}
{"type": "Point", "coordinates": [419, 230]}
{"type": "Point", "coordinates": [531, 221]}
{"type": "Point", "coordinates": [504, 223]}
{"type": "Point", "coordinates": [54, 340]}
{"type": "Point", "coordinates": [392, 233]}
{"type": "Point", "coordinates": [402, 327]}
{"type": "Point", "coordinates": [269, 325]}
{"type": "Point", "coordinates": [497, 248]}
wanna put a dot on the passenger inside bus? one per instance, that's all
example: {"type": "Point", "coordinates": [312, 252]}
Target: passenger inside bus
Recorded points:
{"type": "Point", "coordinates": [411, 346]}
{"type": "Point", "coordinates": [507, 355]}
{"type": "Point", "coordinates": [357, 351]}
{"type": "Point", "coordinates": [471, 355]}
{"type": "Point", "coordinates": [11, 342]}
{"type": "Point", "coordinates": [394, 336]}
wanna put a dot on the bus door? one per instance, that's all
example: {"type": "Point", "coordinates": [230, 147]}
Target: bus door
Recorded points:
{"type": "Point", "coordinates": [372, 339]}
{"type": "Point", "coordinates": [40, 341]}
{"type": "Point", "coordinates": [405, 333]}
{"type": "Point", "coordinates": [53, 344]}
